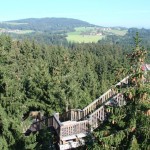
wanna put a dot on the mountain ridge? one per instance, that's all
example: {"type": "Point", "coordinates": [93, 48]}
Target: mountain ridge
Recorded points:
{"type": "Point", "coordinates": [45, 24]}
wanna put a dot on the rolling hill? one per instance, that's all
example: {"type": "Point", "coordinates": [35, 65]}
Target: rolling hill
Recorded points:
{"type": "Point", "coordinates": [45, 24]}
{"type": "Point", "coordinates": [63, 30]}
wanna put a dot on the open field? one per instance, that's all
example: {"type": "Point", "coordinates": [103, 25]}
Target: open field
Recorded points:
{"type": "Point", "coordinates": [14, 23]}
{"type": "Point", "coordinates": [15, 31]}
{"type": "Point", "coordinates": [84, 34]}
{"type": "Point", "coordinates": [80, 29]}
{"type": "Point", "coordinates": [24, 31]}
{"type": "Point", "coordinates": [117, 32]}
{"type": "Point", "coordinates": [92, 34]}
{"type": "Point", "coordinates": [84, 38]}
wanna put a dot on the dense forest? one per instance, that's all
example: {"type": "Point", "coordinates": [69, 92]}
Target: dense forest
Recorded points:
{"type": "Point", "coordinates": [128, 127]}
{"type": "Point", "coordinates": [45, 24]}
{"type": "Point", "coordinates": [53, 77]}
{"type": "Point", "coordinates": [127, 41]}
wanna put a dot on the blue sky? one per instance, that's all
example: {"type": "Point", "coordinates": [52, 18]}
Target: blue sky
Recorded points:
{"type": "Point", "coordinates": [128, 13]}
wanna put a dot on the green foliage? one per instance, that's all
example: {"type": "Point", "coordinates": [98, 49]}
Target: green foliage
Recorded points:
{"type": "Point", "coordinates": [85, 35]}
{"type": "Point", "coordinates": [50, 79]}
{"type": "Point", "coordinates": [127, 127]}
{"type": "Point", "coordinates": [127, 40]}
{"type": "Point", "coordinates": [57, 78]}
{"type": "Point", "coordinates": [45, 24]}
{"type": "Point", "coordinates": [46, 140]}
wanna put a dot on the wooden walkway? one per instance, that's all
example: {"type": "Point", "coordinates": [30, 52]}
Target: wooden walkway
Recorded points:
{"type": "Point", "coordinates": [72, 126]}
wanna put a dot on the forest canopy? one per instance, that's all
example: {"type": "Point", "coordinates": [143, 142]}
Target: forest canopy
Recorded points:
{"type": "Point", "coordinates": [51, 78]}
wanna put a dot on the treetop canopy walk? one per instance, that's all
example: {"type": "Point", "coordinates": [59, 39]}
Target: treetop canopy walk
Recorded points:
{"type": "Point", "coordinates": [72, 126]}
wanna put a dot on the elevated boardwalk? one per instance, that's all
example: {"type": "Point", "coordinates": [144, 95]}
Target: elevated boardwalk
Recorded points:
{"type": "Point", "coordinates": [72, 127]}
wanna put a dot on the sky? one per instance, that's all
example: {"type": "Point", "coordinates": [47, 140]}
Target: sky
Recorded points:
{"type": "Point", "coordinates": [126, 13]}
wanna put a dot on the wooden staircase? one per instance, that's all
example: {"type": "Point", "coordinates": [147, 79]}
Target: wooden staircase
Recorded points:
{"type": "Point", "coordinates": [73, 126]}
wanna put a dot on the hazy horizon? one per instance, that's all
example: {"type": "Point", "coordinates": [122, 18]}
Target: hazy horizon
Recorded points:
{"type": "Point", "coordinates": [109, 14]}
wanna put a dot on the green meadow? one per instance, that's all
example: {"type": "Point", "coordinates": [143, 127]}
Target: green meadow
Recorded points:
{"type": "Point", "coordinates": [79, 37]}
{"type": "Point", "coordinates": [15, 23]}
{"type": "Point", "coordinates": [90, 34]}
{"type": "Point", "coordinates": [84, 38]}
{"type": "Point", "coordinates": [117, 32]}
{"type": "Point", "coordinates": [23, 31]}
{"type": "Point", "coordinates": [16, 31]}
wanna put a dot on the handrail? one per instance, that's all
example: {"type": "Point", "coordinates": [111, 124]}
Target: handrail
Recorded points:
{"type": "Point", "coordinates": [99, 114]}
{"type": "Point", "coordinates": [74, 128]}
{"type": "Point", "coordinates": [94, 112]}
{"type": "Point", "coordinates": [119, 99]}
{"type": "Point", "coordinates": [56, 124]}
{"type": "Point", "coordinates": [96, 116]}
{"type": "Point", "coordinates": [91, 116]}
{"type": "Point", "coordinates": [51, 121]}
{"type": "Point", "coordinates": [124, 80]}
{"type": "Point", "coordinates": [72, 114]}
{"type": "Point", "coordinates": [39, 124]}
{"type": "Point", "coordinates": [96, 103]}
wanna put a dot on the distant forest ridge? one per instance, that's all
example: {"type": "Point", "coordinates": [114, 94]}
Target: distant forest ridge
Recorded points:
{"type": "Point", "coordinates": [62, 31]}
{"type": "Point", "coordinates": [45, 24]}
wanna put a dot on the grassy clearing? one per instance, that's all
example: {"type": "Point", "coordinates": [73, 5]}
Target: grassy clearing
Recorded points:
{"type": "Point", "coordinates": [78, 37]}
{"type": "Point", "coordinates": [80, 29]}
{"type": "Point", "coordinates": [2, 30]}
{"type": "Point", "coordinates": [15, 23]}
{"type": "Point", "coordinates": [84, 38]}
{"type": "Point", "coordinates": [24, 31]}
{"type": "Point", "coordinates": [117, 32]}
{"type": "Point", "coordinates": [90, 34]}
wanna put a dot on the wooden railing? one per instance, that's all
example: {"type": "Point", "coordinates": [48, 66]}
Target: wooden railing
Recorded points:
{"type": "Point", "coordinates": [52, 121]}
{"type": "Point", "coordinates": [96, 117]}
{"type": "Point", "coordinates": [72, 114]}
{"type": "Point", "coordinates": [47, 122]}
{"type": "Point", "coordinates": [81, 120]}
{"type": "Point", "coordinates": [91, 122]}
{"type": "Point", "coordinates": [119, 99]}
{"type": "Point", "coordinates": [99, 114]}
{"type": "Point", "coordinates": [98, 102]}
{"type": "Point", "coordinates": [56, 124]}
{"type": "Point", "coordinates": [75, 128]}
{"type": "Point", "coordinates": [103, 98]}
{"type": "Point", "coordinates": [125, 80]}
